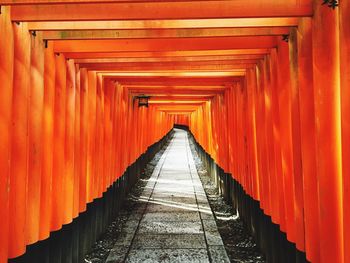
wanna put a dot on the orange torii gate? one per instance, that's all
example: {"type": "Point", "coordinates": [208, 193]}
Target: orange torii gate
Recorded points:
{"type": "Point", "coordinates": [262, 85]}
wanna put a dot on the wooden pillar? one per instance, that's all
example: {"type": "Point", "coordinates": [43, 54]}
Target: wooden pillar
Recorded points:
{"type": "Point", "coordinates": [279, 180]}
{"type": "Point", "coordinates": [308, 143]}
{"type": "Point", "coordinates": [345, 113]}
{"type": "Point", "coordinates": [35, 117]}
{"type": "Point", "coordinates": [91, 147]}
{"type": "Point", "coordinates": [262, 143]}
{"type": "Point", "coordinates": [68, 183]}
{"type": "Point", "coordinates": [84, 113]}
{"type": "Point", "coordinates": [285, 111]}
{"type": "Point", "coordinates": [48, 141]}
{"type": "Point", "coordinates": [6, 76]}
{"type": "Point", "coordinates": [99, 168]}
{"type": "Point", "coordinates": [77, 144]}
{"type": "Point", "coordinates": [19, 144]}
{"type": "Point", "coordinates": [251, 88]}
{"type": "Point", "coordinates": [270, 125]}
{"type": "Point", "coordinates": [59, 143]}
{"type": "Point", "coordinates": [296, 140]}
{"type": "Point", "coordinates": [325, 35]}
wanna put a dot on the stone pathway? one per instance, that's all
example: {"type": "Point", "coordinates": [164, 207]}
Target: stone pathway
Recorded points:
{"type": "Point", "coordinates": [174, 222]}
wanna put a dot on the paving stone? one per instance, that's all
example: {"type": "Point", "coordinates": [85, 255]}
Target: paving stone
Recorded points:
{"type": "Point", "coordinates": [201, 199]}
{"type": "Point", "coordinates": [203, 202]}
{"type": "Point", "coordinates": [140, 206]}
{"type": "Point", "coordinates": [135, 216]}
{"type": "Point", "coordinates": [147, 192]}
{"type": "Point", "coordinates": [205, 215]}
{"type": "Point", "coordinates": [174, 179]}
{"type": "Point", "coordinates": [164, 207]}
{"type": "Point", "coordinates": [169, 241]}
{"type": "Point", "coordinates": [171, 227]}
{"type": "Point", "coordinates": [168, 256]}
{"type": "Point", "coordinates": [131, 226]}
{"type": "Point", "coordinates": [150, 185]}
{"type": "Point", "coordinates": [172, 194]}
{"type": "Point", "coordinates": [213, 238]}
{"type": "Point", "coordinates": [218, 254]}
{"type": "Point", "coordinates": [117, 254]}
{"type": "Point", "coordinates": [124, 239]}
{"type": "Point", "coordinates": [171, 216]}
{"type": "Point", "coordinates": [174, 188]}
{"type": "Point", "coordinates": [171, 203]}
{"type": "Point", "coordinates": [177, 200]}
{"type": "Point", "coordinates": [204, 207]}
{"type": "Point", "coordinates": [199, 192]}
{"type": "Point", "coordinates": [209, 225]}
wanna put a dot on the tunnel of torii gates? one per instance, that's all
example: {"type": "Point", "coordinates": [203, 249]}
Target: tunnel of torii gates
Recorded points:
{"type": "Point", "coordinates": [264, 87]}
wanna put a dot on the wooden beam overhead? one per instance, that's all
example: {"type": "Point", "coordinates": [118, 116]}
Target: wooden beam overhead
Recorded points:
{"type": "Point", "coordinates": [182, 96]}
{"type": "Point", "coordinates": [167, 54]}
{"type": "Point", "coordinates": [166, 87]}
{"type": "Point", "coordinates": [186, 66]}
{"type": "Point", "coordinates": [163, 81]}
{"type": "Point", "coordinates": [187, 92]}
{"type": "Point", "coordinates": [160, 64]}
{"type": "Point", "coordinates": [176, 102]}
{"type": "Point", "coordinates": [70, 11]}
{"type": "Point", "coordinates": [208, 59]}
{"type": "Point", "coordinates": [214, 68]}
{"type": "Point", "coordinates": [166, 24]}
{"type": "Point", "coordinates": [184, 92]}
{"type": "Point", "coordinates": [177, 107]}
{"type": "Point", "coordinates": [163, 33]}
{"type": "Point", "coordinates": [165, 99]}
{"type": "Point", "coordinates": [165, 44]}
{"type": "Point", "coordinates": [177, 112]}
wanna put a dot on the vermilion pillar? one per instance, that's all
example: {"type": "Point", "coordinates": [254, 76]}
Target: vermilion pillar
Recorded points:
{"type": "Point", "coordinates": [285, 112]}
{"type": "Point", "coordinates": [261, 139]}
{"type": "Point", "coordinates": [48, 142]}
{"type": "Point", "coordinates": [19, 139]}
{"type": "Point", "coordinates": [296, 139]}
{"type": "Point", "coordinates": [254, 172]}
{"type": "Point", "coordinates": [77, 145]}
{"type": "Point", "coordinates": [69, 161]}
{"type": "Point", "coordinates": [35, 117]}
{"type": "Point", "coordinates": [84, 113]}
{"type": "Point", "coordinates": [6, 76]}
{"type": "Point", "coordinates": [326, 72]}
{"type": "Point", "coordinates": [270, 112]}
{"type": "Point", "coordinates": [91, 127]}
{"type": "Point", "coordinates": [308, 143]}
{"type": "Point", "coordinates": [59, 143]}
{"type": "Point", "coordinates": [345, 114]}
{"type": "Point", "coordinates": [277, 139]}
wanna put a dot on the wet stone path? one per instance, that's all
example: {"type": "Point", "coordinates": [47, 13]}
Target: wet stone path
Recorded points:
{"type": "Point", "coordinates": [172, 221]}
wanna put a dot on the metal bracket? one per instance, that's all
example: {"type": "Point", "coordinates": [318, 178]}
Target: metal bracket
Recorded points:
{"type": "Point", "coordinates": [45, 43]}
{"type": "Point", "coordinates": [33, 33]}
{"type": "Point", "coordinates": [331, 3]}
{"type": "Point", "coordinates": [285, 38]}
